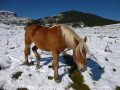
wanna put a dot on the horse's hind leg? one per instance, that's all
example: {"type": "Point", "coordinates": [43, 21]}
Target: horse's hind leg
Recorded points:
{"type": "Point", "coordinates": [37, 56]}
{"type": "Point", "coordinates": [27, 52]}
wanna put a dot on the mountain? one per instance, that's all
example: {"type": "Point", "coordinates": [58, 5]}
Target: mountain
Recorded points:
{"type": "Point", "coordinates": [75, 19]}
{"type": "Point", "coordinates": [8, 17]}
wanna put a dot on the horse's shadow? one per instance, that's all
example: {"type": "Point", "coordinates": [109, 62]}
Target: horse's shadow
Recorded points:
{"type": "Point", "coordinates": [96, 70]}
{"type": "Point", "coordinates": [46, 61]}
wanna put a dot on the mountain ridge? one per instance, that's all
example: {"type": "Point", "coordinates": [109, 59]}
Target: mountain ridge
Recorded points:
{"type": "Point", "coordinates": [70, 18]}
{"type": "Point", "coordinates": [8, 17]}
{"type": "Point", "coordinates": [75, 19]}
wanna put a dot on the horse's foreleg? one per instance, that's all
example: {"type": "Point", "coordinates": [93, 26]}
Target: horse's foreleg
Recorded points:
{"type": "Point", "coordinates": [55, 64]}
{"type": "Point", "coordinates": [37, 56]}
{"type": "Point", "coordinates": [27, 52]}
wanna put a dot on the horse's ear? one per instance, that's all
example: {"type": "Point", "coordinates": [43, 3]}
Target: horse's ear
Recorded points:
{"type": "Point", "coordinates": [85, 38]}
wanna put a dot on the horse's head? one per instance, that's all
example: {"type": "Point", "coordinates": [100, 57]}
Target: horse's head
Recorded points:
{"type": "Point", "coordinates": [79, 54]}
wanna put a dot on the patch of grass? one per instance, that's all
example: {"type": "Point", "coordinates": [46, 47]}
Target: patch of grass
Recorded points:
{"type": "Point", "coordinates": [80, 87]}
{"type": "Point", "coordinates": [114, 69]}
{"type": "Point", "coordinates": [118, 88]}
{"type": "Point", "coordinates": [112, 37]}
{"type": "Point", "coordinates": [68, 69]}
{"type": "Point", "coordinates": [17, 75]}
{"type": "Point", "coordinates": [76, 77]}
{"type": "Point", "coordinates": [106, 58]}
{"type": "Point", "coordinates": [50, 77]}
{"type": "Point", "coordinates": [101, 37]}
{"type": "Point", "coordinates": [12, 47]}
{"type": "Point", "coordinates": [22, 89]}
{"type": "Point", "coordinates": [75, 74]}
{"type": "Point", "coordinates": [75, 86]}
{"type": "Point", "coordinates": [65, 54]}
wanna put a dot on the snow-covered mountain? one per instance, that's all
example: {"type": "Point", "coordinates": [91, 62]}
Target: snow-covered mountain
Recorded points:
{"type": "Point", "coordinates": [8, 17]}
{"type": "Point", "coordinates": [103, 70]}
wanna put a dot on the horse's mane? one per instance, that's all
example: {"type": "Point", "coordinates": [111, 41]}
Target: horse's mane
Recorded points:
{"type": "Point", "coordinates": [70, 37]}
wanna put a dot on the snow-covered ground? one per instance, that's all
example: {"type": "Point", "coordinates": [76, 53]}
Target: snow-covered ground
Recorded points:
{"type": "Point", "coordinates": [103, 71]}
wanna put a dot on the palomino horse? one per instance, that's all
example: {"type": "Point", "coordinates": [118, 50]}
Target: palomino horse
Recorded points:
{"type": "Point", "coordinates": [55, 39]}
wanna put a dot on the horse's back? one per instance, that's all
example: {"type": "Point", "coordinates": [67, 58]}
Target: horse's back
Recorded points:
{"type": "Point", "coordinates": [45, 38]}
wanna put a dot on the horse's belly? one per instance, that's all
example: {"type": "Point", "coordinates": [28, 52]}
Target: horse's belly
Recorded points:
{"type": "Point", "coordinates": [44, 48]}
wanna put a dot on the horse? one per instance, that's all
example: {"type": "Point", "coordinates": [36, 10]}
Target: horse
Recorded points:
{"type": "Point", "coordinates": [56, 39]}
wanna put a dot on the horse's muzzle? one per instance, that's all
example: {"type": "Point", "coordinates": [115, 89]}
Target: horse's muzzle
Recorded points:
{"type": "Point", "coordinates": [81, 68]}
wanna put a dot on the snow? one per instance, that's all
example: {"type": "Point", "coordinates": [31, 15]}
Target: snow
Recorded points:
{"type": "Point", "coordinates": [102, 75]}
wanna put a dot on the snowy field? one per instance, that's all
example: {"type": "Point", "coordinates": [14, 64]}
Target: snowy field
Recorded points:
{"type": "Point", "coordinates": [103, 70]}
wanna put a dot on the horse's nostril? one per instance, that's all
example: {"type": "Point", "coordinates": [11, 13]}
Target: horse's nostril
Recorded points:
{"type": "Point", "coordinates": [82, 70]}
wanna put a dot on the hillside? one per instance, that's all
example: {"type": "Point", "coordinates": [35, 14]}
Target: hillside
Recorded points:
{"type": "Point", "coordinates": [75, 19]}
{"type": "Point", "coordinates": [8, 17]}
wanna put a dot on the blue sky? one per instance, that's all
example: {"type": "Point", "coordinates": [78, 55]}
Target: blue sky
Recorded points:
{"type": "Point", "coordinates": [36, 9]}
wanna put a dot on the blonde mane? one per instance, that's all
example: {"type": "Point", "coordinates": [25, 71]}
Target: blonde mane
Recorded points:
{"type": "Point", "coordinates": [70, 36]}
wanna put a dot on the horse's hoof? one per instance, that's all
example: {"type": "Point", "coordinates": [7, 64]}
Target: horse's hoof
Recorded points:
{"type": "Point", "coordinates": [27, 64]}
{"type": "Point", "coordinates": [58, 80]}
{"type": "Point", "coordinates": [38, 66]}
